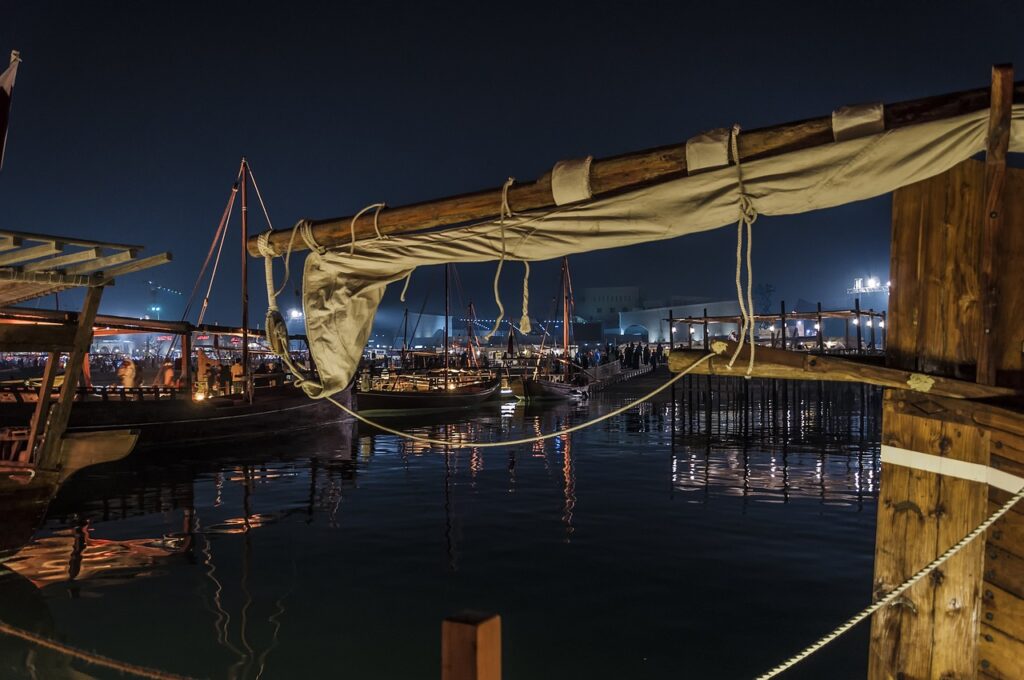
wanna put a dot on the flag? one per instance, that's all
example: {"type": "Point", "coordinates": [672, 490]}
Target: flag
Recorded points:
{"type": "Point", "coordinates": [6, 91]}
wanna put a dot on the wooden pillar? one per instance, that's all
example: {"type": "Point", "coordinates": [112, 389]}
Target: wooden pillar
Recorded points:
{"type": "Point", "coordinates": [49, 454]}
{"type": "Point", "coordinates": [821, 330]}
{"type": "Point", "coordinates": [871, 325]}
{"type": "Point", "coordinates": [782, 318]}
{"type": "Point", "coordinates": [186, 363]}
{"type": "Point", "coordinates": [707, 343]}
{"type": "Point", "coordinates": [856, 322]}
{"type": "Point", "coordinates": [471, 647]}
{"type": "Point", "coordinates": [671, 332]}
{"type": "Point", "coordinates": [965, 620]}
{"type": "Point", "coordinates": [42, 411]}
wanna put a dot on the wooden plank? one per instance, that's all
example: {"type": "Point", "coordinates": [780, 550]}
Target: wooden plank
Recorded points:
{"type": "Point", "coordinates": [1001, 656]}
{"type": "Point", "coordinates": [102, 262]}
{"type": "Point", "coordinates": [69, 240]}
{"type": "Point", "coordinates": [789, 365]}
{"type": "Point", "coordinates": [471, 647]}
{"type": "Point", "coordinates": [16, 337]}
{"type": "Point", "coordinates": [136, 265]}
{"type": "Point", "coordinates": [1004, 569]}
{"type": "Point", "coordinates": [42, 410]}
{"type": "Point", "coordinates": [1004, 611]}
{"type": "Point", "coordinates": [54, 263]}
{"type": "Point", "coordinates": [9, 243]}
{"type": "Point", "coordinates": [13, 257]}
{"type": "Point", "coordinates": [997, 146]}
{"type": "Point", "coordinates": [49, 454]}
{"type": "Point", "coordinates": [619, 173]}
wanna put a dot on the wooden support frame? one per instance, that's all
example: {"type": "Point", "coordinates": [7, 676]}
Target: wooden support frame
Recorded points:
{"type": "Point", "coordinates": [42, 410]}
{"type": "Point", "coordinates": [471, 647]}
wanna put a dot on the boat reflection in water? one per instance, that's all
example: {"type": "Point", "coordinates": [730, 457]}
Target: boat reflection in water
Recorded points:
{"type": "Point", "coordinates": [255, 560]}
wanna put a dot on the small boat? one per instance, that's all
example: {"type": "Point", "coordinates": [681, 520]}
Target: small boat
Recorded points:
{"type": "Point", "coordinates": [405, 396]}
{"type": "Point", "coordinates": [547, 388]}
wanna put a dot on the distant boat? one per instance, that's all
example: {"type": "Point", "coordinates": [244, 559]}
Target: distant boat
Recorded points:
{"type": "Point", "coordinates": [405, 396]}
{"type": "Point", "coordinates": [548, 388]}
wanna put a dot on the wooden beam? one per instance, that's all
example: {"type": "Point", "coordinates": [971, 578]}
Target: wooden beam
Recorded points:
{"type": "Point", "coordinates": [32, 252]}
{"type": "Point", "coordinates": [46, 278]}
{"type": "Point", "coordinates": [49, 454]}
{"type": "Point", "coordinates": [788, 365]}
{"type": "Point", "coordinates": [17, 337]}
{"type": "Point", "coordinates": [102, 262]}
{"type": "Point", "coordinates": [136, 265]}
{"type": "Point", "coordinates": [42, 409]}
{"type": "Point", "coordinates": [9, 243]}
{"type": "Point", "coordinates": [53, 263]}
{"type": "Point", "coordinates": [998, 145]}
{"type": "Point", "coordinates": [471, 647]}
{"type": "Point", "coordinates": [68, 240]}
{"type": "Point", "coordinates": [619, 173]}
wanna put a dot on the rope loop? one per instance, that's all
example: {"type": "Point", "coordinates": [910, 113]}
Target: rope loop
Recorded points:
{"type": "Point", "coordinates": [505, 211]}
{"type": "Point", "coordinates": [405, 288]}
{"type": "Point", "coordinates": [305, 228]}
{"type": "Point", "coordinates": [747, 217]}
{"type": "Point", "coordinates": [376, 226]}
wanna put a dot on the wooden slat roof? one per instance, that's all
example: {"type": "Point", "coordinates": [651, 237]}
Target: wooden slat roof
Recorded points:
{"type": "Point", "coordinates": [36, 265]}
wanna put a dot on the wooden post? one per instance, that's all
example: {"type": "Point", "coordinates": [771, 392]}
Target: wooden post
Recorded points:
{"type": "Point", "coordinates": [689, 331]}
{"type": "Point", "coordinates": [995, 180]}
{"type": "Point", "coordinates": [186, 363]}
{"type": "Point", "coordinates": [471, 647]}
{"type": "Point", "coordinates": [49, 454]}
{"type": "Point", "coordinates": [42, 410]}
{"type": "Point", "coordinates": [846, 334]}
{"type": "Point", "coordinates": [707, 343]}
{"type": "Point", "coordinates": [871, 324]}
{"type": "Point", "coordinates": [957, 623]}
{"type": "Point", "coordinates": [671, 332]}
{"type": "Point", "coordinates": [821, 331]}
{"type": "Point", "coordinates": [856, 322]}
{"type": "Point", "coordinates": [782, 317]}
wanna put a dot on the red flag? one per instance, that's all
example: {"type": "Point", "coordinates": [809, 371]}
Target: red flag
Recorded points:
{"type": "Point", "coordinates": [6, 91]}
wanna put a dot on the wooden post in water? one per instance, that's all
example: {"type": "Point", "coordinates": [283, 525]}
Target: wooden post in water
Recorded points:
{"type": "Point", "coordinates": [471, 647]}
{"type": "Point", "coordinates": [964, 621]}
{"type": "Point", "coordinates": [820, 327]}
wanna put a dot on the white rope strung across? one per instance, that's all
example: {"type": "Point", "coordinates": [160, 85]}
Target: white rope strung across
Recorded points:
{"type": "Point", "coordinates": [525, 440]}
{"type": "Point", "coordinates": [506, 211]}
{"type": "Point", "coordinates": [896, 592]}
{"type": "Point", "coordinates": [376, 227]}
{"type": "Point", "coordinates": [87, 657]}
{"type": "Point", "coordinates": [748, 215]}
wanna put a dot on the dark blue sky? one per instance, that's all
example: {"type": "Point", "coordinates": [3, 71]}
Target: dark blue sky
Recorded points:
{"type": "Point", "coordinates": [129, 118]}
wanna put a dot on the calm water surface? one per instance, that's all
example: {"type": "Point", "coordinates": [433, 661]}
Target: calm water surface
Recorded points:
{"type": "Point", "coordinates": [618, 552]}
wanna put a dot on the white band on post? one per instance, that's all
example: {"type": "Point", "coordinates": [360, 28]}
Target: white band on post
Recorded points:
{"type": "Point", "coordinates": [707, 150]}
{"type": "Point", "coordinates": [860, 120]}
{"type": "Point", "coordinates": [951, 467]}
{"type": "Point", "coordinates": [570, 181]}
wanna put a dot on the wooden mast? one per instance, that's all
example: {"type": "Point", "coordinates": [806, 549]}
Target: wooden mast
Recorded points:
{"type": "Point", "coordinates": [446, 312]}
{"type": "Point", "coordinates": [620, 173]}
{"type": "Point", "coordinates": [565, 311]}
{"type": "Point", "coordinates": [245, 272]}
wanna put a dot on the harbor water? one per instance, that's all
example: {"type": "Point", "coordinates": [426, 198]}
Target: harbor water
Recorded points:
{"type": "Point", "coordinates": [685, 538]}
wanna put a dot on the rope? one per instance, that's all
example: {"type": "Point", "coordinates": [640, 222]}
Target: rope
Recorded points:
{"type": "Point", "coordinates": [524, 321]}
{"type": "Point", "coordinates": [525, 440]}
{"type": "Point", "coordinates": [895, 593]}
{"type": "Point", "coordinates": [305, 228]}
{"type": "Point", "coordinates": [748, 215]}
{"type": "Point", "coordinates": [405, 288]}
{"type": "Point", "coordinates": [506, 211]}
{"type": "Point", "coordinates": [376, 226]}
{"type": "Point", "coordinates": [88, 657]}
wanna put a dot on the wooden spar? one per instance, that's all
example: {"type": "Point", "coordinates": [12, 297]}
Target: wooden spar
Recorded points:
{"type": "Point", "coordinates": [998, 145]}
{"type": "Point", "coordinates": [565, 309]}
{"type": "Point", "coordinates": [245, 276]}
{"type": "Point", "coordinates": [788, 365]}
{"type": "Point", "coordinates": [618, 173]}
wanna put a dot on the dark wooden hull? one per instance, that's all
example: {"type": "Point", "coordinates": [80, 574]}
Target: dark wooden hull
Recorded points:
{"type": "Point", "coordinates": [386, 401]}
{"type": "Point", "coordinates": [183, 422]}
{"type": "Point", "coordinates": [535, 389]}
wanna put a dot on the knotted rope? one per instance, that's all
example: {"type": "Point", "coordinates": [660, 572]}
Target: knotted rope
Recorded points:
{"type": "Point", "coordinates": [524, 321]}
{"type": "Point", "coordinates": [305, 228]}
{"type": "Point", "coordinates": [376, 227]}
{"type": "Point", "coordinates": [506, 211]}
{"type": "Point", "coordinates": [748, 215]}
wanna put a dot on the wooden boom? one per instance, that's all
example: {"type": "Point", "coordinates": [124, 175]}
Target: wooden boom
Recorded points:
{"type": "Point", "coordinates": [785, 365]}
{"type": "Point", "coordinates": [619, 173]}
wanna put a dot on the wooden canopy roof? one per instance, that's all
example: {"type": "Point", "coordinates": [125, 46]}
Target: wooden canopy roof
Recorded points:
{"type": "Point", "coordinates": [36, 265]}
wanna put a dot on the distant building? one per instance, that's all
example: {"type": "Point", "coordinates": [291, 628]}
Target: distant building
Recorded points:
{"type": "Point", "coordinates": [653, 323]}
{"type": "Point", "coordinates": [605, 304]}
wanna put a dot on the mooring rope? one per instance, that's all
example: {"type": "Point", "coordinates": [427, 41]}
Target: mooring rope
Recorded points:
{"type": "Point", "coordinates": [525, 440]}
{"type": "Point", "coordinates": [748, 215]}
{"type": "Point", "coordinates": [895, 593]}
{"type": "Point", "coordinates": [88, 657]}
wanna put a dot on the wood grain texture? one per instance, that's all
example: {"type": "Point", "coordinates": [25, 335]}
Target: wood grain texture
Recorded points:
{"type": "Point", "coordinates": [623, 172]}
{"type": "Point", "coordinates": [1000, 655]}
{"type": "Point", "coordinates": [471, 647]}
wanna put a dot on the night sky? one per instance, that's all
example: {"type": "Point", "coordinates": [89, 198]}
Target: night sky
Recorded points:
{"type": "Point", "coordinates": [129, 119]}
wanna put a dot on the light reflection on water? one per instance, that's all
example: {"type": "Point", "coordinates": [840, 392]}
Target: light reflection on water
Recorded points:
{"type": "Point", "coordinates": [619, 551]}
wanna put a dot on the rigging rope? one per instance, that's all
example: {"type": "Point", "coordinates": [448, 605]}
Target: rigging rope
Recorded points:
{"type": "Point", "coordinates": [895, 593]}
{"type": "Point", "coordinates": [524, 320]}
{"type": "Point", "coordinates": [88, 657]}
{"type": "Point", "coordinates": [376, 227]}
{"type": "Point", "coordinates": [524, 440]}
{"type": "Point", "coordinates": [506, 211]}
{"type": "Point", "coordinates": [748, 215]}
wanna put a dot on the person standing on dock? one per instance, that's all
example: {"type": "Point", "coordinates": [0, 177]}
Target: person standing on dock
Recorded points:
{"type": "Point", "coordinates": [237, 376]}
